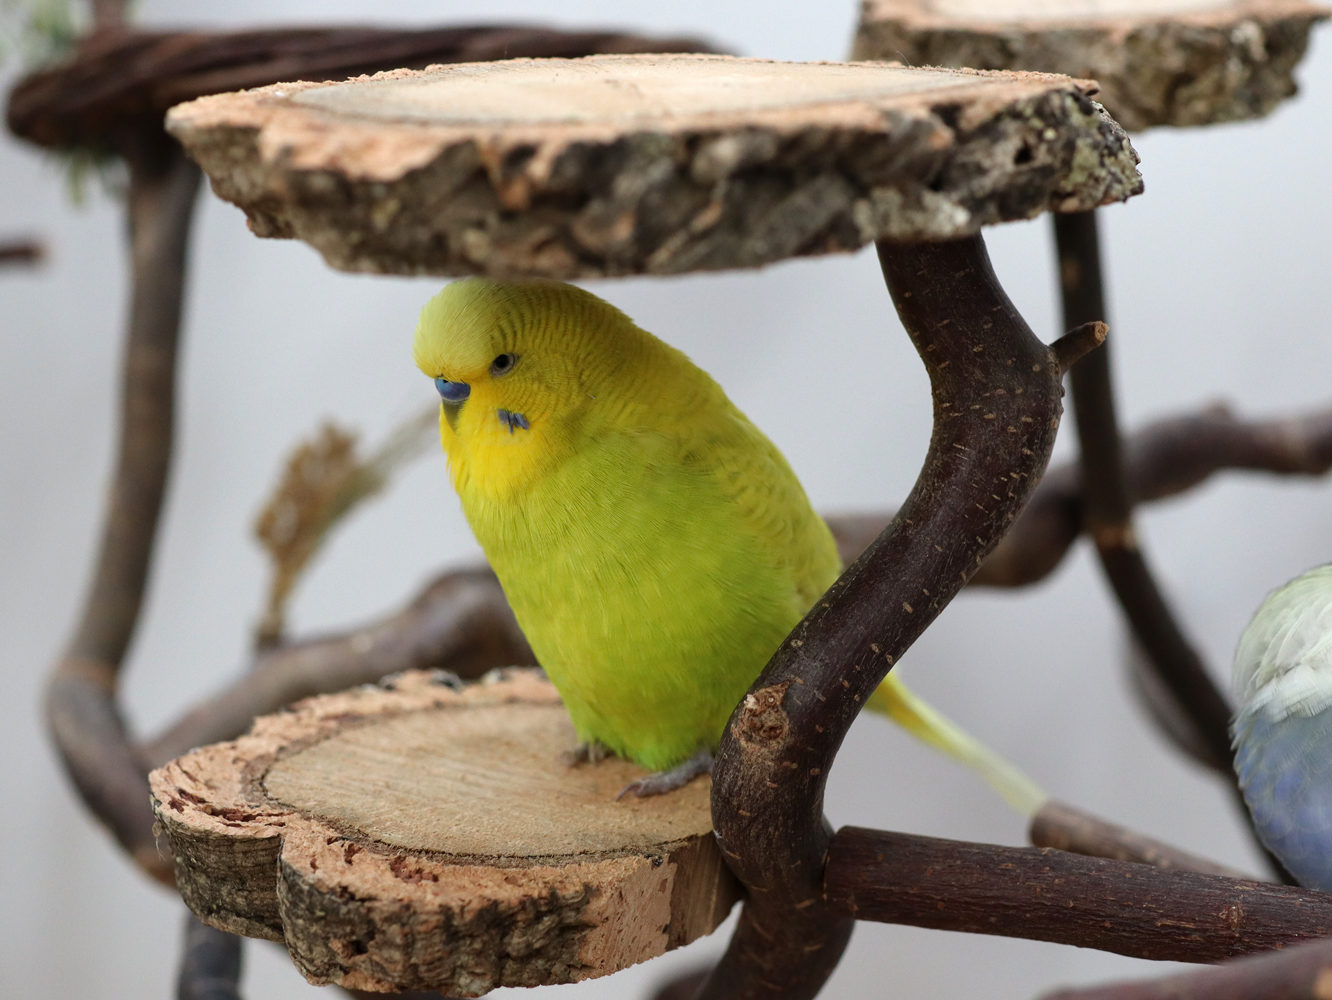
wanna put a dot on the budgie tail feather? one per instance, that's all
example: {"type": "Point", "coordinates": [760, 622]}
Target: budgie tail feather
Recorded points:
{"type": "Point", "coordinates": [893, 699]}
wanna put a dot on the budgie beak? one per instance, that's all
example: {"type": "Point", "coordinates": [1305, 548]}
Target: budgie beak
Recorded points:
{"type": "Point", "coordinates": [453, 393]}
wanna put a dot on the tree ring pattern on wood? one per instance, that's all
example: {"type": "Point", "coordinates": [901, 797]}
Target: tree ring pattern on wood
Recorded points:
{"type": "Point", "coordinates": [415, 837]}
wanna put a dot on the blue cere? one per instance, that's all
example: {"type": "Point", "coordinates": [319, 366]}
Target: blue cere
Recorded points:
{"type": "Point", "coordinates": [452, 392]}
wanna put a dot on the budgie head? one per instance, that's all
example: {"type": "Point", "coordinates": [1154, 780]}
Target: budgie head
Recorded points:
{"type": "Point", "coordinates": [531, 372]}
{"type": "Point", "coordinates": [1283, 664]}
{"type": "Point", "coordinates": [517, 361]}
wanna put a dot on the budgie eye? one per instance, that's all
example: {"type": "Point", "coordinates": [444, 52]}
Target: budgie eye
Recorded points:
{"type": "Point", "coordinates": [452, 392]}
{"type": "Point", "coordinates": [503, 364]}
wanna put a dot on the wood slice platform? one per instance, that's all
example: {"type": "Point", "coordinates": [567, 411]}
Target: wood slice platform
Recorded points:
{"type": "Point", "coordinates": [1159, 62]}
{"type": "Point", "coordinates": [420, 835]}
{"type": "Point", "coordinates": [618, 165]}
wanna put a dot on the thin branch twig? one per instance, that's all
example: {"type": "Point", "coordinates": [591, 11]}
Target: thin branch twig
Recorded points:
{"type": "Point", "coordinates": [1300, 973]}
{"type": "Point", "coordinates": [1047, 895]}
{"type": "Point", "coordinates": [996, 392]}
{"type": "Point", "coordinates": [22, 253]}
{"type": "Point", "coordinates": [81, 699]}
{"type": "Point", "coordinates": [1068, 828]}
{"type": "Point", "coordinates": [1077, 343]}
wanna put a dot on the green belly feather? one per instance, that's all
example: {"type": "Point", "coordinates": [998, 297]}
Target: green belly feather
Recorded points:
{"type": "Point", "coordinates": [652, 594]}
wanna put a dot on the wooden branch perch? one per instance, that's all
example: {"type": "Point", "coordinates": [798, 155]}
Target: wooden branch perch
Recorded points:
{"type": "Point", "coordinates": [81, 700]}
{"type": "Point", "coordinates": [1299, 973]}
{"type": "Point", "coordinates": [996, 395]}
{"type": "Point", "coordinates": [421, 835]}
{"type": "Point", "coordinates": [1047, 895]}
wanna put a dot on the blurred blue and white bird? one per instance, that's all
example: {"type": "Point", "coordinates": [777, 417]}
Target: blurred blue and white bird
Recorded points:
{"type": "Point", "coordinates": [1283, 729]}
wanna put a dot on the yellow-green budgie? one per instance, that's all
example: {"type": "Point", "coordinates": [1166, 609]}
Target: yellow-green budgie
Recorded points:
{"type": "Point", "coordinates": [655, 546]}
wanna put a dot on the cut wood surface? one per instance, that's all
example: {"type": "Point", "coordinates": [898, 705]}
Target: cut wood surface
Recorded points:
{"type": "Point", "coordinates": [418, 836]}
{"type": "Point", "coordinates": [1159, 62]}
{"type": "Point", "coordinates": [617, 165]}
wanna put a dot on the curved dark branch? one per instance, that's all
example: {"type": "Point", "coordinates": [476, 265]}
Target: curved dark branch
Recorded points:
{"type": "Point", "coordinates": [81, 699]}
{"type": "Point", "coordinates": [461, 622]}
{"type": "Point", "coordinates": [1107, 513]}
{"type": "Point", "coordinates": [1301, 973]}
{"type": "Point", "coordinates": [996, 395]}
{"type": "Point", "coordinates": [1107, 503]}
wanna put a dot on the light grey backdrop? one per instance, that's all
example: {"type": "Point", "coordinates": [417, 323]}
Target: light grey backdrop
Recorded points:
{"type": "Point", "coordinates": [1221, 290]}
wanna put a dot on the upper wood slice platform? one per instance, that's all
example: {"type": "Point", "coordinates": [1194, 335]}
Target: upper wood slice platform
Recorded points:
{"type": "Point", "coordinates": [616, 165]}
{"type": "Point", "coordinates": [420, 837]}
{"type": "Point", "coordinates": [1159, 62]}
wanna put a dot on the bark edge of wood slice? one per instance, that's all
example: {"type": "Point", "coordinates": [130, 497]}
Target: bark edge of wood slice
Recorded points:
{"type": "Point", "coordinates": [1159, 62]}
{"type": "Point", "coordinates": [649, 164]}
{"type": "Point", "coordinates": [421, 835]}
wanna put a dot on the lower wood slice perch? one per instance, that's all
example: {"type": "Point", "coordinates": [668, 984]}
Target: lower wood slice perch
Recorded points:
{"type": "Point", "coordinates": [417, 836]}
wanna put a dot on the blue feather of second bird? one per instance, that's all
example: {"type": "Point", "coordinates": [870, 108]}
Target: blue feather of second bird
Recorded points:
{"type": "Point", "coordinates": [1285, 772]}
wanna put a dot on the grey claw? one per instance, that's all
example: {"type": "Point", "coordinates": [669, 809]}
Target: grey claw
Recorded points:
{"type": "Point", "coordinates": [668, 781]}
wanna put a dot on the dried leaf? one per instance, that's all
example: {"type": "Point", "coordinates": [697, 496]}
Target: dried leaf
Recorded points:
{"type": "Point", "coordinates": [324, 480]}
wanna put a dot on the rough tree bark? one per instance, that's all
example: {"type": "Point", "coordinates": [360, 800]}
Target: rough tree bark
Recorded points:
{"type": "Point", "coordinates": [1049, 895]}
{"type": "Point", "coordinates": [1167, 63]}
{"type": "Point", "coordinates": [996, 395]}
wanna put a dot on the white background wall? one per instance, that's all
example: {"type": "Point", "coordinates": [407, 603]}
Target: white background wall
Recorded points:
{"type": "Point", "coordinates": [1221, 285]}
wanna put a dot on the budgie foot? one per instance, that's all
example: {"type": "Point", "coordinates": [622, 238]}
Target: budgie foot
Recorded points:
{"type": "Point", "coordinates": [668, 781]}
{"type": "Point", "coordinates": [585, 753]}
